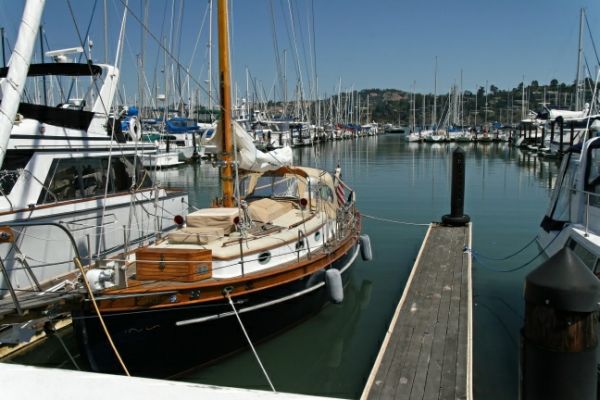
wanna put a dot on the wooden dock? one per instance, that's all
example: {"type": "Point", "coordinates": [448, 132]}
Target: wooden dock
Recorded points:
{"type": "Point", "coordinates": [427, 350]}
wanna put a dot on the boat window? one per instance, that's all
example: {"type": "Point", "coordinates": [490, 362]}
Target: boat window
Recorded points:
{"type": "Point", "coordinates": [264, 258]}
{"type": "Point", "coordinates": [317, 236]}
{"type": "Point", "coordinates": [562, 195]}
{"type": "Point", "coordinates": [592, 182]}
{"type": "Point", "coordinates": [123, 171]}
{"type": "Point", "coordinates": [77, 178]}
{"type": "Point", "coordinates": [326, 193]}
{"type": "Point", "coordinates": [74, 178]}
{"type": "Point", "coordinates": [586, 256]}
{"type": "Point", "coordinates": [276, 186]}
{"type": "Point", "coordinates": [12, 166]}
{"type": "Point", "coordinates": [244, 186]}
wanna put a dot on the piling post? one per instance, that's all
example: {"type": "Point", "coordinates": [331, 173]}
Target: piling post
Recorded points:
{"type": "Point", "coordinates": [559, 337]}
{"type": "Point", "coordinates": [552, 131]}
{"type": "Point", "coordinates": [572, 133]}
{"type": "Point", "coordinates": [457, 200]}
{"type": "Point", "coordinates": [561, 126]}
{"type": "Point", "coordinates": [522, 131]}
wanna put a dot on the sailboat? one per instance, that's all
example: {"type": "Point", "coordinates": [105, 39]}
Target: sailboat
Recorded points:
{"type": "Point", "coordinates": [278, 245]}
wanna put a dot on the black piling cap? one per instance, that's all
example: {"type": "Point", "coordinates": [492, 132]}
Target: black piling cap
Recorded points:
{"type": "Point", "coordinates": [563, 282]}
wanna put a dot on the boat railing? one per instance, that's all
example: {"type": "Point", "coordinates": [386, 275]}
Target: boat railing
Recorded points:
{"type": "Point", "coordinates": [304, 240]}
{"type": "Point", "coordinates": [7, 235]}
{"type": "Point", "coordinates": [592, 199]}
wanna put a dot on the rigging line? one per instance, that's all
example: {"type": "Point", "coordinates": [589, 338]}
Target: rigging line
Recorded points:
{"type": "Point", "coordinates": [158, 50]}
{"type": "Point", "coordinates": [393, 221]}
{"type": "Point", "coordinates": [295, 47]}
{"type": "Point", "coordinates": [226, 293]}
{"type": "Point", "coordinates": [197, 41]}
{"type": "Point", "coordinates": [100, 319]}
{"type": "Point", "coordinates": [164, 48]}
{"type": "Point", "coordinates": [82, 44]}
{"type": "Point", "coordinates": [51, 330]}
{"type": "Point", "coordinates": [87, 33]}
{"type": "Point", "coordinates": [508, 256]}
{"type": "Point", "coordinates": [305, 58]}
{"type": "Point", "coordinates": [591, 37]}
{"type": "Point", "coordinates": [276, 51]}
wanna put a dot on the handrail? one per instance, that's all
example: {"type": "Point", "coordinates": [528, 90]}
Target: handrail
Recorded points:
{"type": "Point", "coordinates": [76, 259]}
{"type": "Point", "coordinates": [587, 195]}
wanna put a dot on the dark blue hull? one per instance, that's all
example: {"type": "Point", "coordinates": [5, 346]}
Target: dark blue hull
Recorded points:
{"type": "Point", "coordinates": [155, 343]}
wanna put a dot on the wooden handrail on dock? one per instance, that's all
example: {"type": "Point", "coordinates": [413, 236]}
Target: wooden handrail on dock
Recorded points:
{"type": "Point", "coordinates": [427, 350]}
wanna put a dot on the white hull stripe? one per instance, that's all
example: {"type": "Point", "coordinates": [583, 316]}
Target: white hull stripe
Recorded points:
{"type": "Point", "coordinates": [268, 303]}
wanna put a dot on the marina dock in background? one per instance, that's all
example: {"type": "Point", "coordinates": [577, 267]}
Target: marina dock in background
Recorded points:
{"type": "Point", "coordinates": [427, 351]}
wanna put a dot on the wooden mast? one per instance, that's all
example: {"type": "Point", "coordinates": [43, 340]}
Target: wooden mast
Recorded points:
{"type": "Point", "coordinates": [225, 89]}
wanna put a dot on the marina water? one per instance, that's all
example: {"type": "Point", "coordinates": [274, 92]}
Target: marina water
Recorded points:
{"type": "Point", "coordinates": [400, 188]}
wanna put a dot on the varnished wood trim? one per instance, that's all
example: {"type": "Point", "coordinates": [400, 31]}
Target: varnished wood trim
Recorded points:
{"type": "Point", "coordinates": [212, 290]}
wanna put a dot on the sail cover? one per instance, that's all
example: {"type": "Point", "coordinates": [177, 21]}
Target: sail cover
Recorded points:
{"type": "Point", "coordinates": [249, 158]}
{"type": "Point", "coordinates": [568, 115]}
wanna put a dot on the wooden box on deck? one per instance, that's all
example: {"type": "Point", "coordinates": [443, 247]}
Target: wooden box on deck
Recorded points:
{"type": "Point", "coordinates": [184, 265]}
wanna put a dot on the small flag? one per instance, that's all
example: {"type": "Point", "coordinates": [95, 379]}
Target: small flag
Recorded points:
{"type": "Point", "coordinates": [341, 194]}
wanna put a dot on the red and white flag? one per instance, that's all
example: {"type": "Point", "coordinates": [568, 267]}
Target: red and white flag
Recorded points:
{"type": "Point", "coordinates": [341, 193]}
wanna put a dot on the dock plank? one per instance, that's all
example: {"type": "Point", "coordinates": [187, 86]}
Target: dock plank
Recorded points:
{"type": "Point", "coordinates": [426, 352]}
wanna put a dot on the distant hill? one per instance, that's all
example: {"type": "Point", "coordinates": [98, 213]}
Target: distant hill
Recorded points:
{"type": "Point", "coordinates": [395, 106]}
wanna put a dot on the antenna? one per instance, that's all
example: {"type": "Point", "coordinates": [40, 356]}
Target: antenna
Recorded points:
{"type": "Point", "coordinates": [60, 56]}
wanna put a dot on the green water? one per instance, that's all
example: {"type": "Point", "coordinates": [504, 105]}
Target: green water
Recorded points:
{"type": "Point", "coordinates": [332, 353]}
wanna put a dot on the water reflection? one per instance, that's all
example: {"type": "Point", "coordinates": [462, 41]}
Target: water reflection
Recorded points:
{"type": "Point", "coordinates": [331, 354]}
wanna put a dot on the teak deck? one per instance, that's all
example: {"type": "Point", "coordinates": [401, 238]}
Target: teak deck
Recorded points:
{"type": "Point", "coordinates": [426, 353]}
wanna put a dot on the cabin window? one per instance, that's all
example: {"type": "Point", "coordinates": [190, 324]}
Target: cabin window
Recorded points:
{"type": "Point", "coordinates": [300, 245]}
{"type": "Point", "coordinates": [264, 258]}
{"type": "Point", "coordinates": [317, 236]}
{"type": "Point", "coordinates": [562, 195]}
{"type": "Point", "coordinates": [592, 182]}
{"type": "Point", "coordinates": [13, 163]}
{"type": "Point", "coordinates": [586, 256]}
{"type": "Point", "coordinates": [77, 178]}
{"type": "Point", "coordinates": [74, 178]}
{"type": "Point", "coordinates": [244, 186]}
{"type": "Point", "coordinates": [276, 186]}
{"type": "Point", "coordinates": [326, 193]}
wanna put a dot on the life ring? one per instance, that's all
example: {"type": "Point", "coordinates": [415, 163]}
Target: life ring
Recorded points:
{"type": "Point", "coordinates": [135, 129]}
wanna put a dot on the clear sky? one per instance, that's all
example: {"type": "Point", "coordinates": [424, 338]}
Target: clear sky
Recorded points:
{"type": "Point", "coordinates": [368, 44]}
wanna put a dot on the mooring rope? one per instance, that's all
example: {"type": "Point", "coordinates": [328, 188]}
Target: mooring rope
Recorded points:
{"type": "Point", "coordinates": [226, 293]}
{"type": "Point", "coordinates": [392, 220]}
{"type": "Point", "coordinates": [104, 328]}
{"type": "Point", "coordinates": [503, 258]}
{"type": "Point", "coordinates": [474, 254]}
{"type": "Point", "coordinates": [51, 331]}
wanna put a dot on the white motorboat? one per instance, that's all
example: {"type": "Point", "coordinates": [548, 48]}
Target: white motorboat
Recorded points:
{"type": "Point", "coordinates": [573, 216]}
{"type": "Point", "coordinates": [71, 182]}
